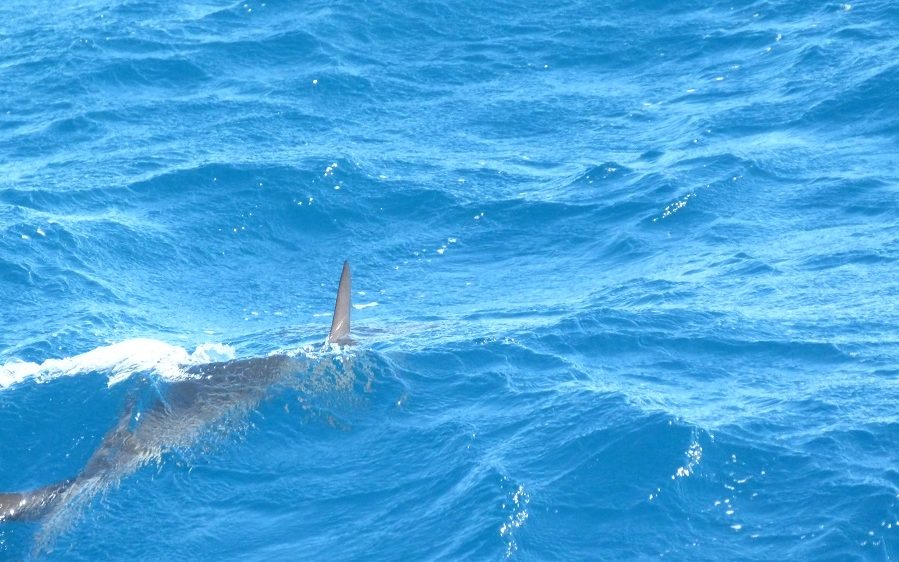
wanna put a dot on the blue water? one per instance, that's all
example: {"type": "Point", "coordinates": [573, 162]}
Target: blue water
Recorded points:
{"type": "Point", "coordinates": [625, 275]}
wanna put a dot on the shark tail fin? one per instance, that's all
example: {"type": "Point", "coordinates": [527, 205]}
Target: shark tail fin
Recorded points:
{"type": "Point", "coordinates": [340, 325]}
{"type": "Point", "coordinates": [30, 505]}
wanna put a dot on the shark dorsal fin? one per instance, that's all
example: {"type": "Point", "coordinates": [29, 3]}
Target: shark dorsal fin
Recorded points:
{"type": "Point", "coordinates": [340, 325]}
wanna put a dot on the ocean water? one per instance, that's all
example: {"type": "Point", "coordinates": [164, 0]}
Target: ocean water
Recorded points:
{"type": "Point", "coordinates": [625, 276]}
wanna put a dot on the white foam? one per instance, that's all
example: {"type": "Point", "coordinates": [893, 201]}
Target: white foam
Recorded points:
{"type": "Point", "coordinates": [119, 361]}
{"type": "Point", "coordinates": [209, 352]}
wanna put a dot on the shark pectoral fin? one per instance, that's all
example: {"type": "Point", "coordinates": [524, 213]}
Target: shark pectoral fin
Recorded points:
{"type": "Point", "coordinates": [117, 446]}
{"type": "Point", "coordinates": [340, 324]}
{"type": "Point", "coordinates": [28, 506]}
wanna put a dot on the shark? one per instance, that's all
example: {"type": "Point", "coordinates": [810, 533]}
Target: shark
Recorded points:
{"type": "Point", "coordinates": [175, 420]}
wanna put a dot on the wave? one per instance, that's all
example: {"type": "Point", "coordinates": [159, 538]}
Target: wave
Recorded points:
{"type": "Point", "coordinates": [118, 361]}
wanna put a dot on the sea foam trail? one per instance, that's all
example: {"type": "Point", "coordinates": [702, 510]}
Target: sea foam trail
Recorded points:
{"type": "Point", "coordinates": [120, 360]}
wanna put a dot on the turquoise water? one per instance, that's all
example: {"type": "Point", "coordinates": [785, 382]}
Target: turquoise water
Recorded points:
{"type": "Point", "coordinates": [625, 276]}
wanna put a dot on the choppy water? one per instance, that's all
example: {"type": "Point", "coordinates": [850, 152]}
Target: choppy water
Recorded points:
{"type": "Point", "coordinates": [625, 274]}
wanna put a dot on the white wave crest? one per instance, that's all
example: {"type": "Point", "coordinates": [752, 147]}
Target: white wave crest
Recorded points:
{"type": "Point", "coordinates": [119, 361]}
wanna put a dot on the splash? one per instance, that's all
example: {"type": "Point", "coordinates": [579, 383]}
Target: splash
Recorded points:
{"type": "Point", "coordinates": [119, 361]}
{"type": "Point", "coordinates": [694, 456]}
{"type": "Point", "coordinates": [515, 519]}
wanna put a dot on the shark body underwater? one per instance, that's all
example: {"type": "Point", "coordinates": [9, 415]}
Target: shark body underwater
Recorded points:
{"type": "Point", "coordinates": [175, 420]}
